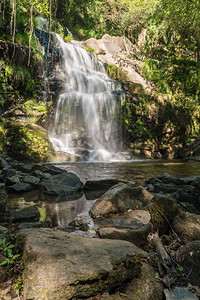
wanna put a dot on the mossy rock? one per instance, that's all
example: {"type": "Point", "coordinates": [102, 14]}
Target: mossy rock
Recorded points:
{"type": "Point", "coordinates": [27, 143]}
{"type": "Point", "coordinates": [163, 211]}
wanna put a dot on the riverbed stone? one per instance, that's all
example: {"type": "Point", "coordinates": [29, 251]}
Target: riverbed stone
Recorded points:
{"type": "Point", "coordinates": [163, 210]}
{"type": "Point", "coordinates": [28, 214]}
{"type": "Point", "coordinates": [187, 198]}
{"type": "Point", "coordinates": [12, 180]}
{"type": "Point", "coordinates": [188, 257]}
{"type": "Point", "coordinates": [41, 175]}
{"type": "Point", "coordinates": [53, 170]}
{"type": "Point", "coordinates": [187, 227]}
{"type": "Point", "coordinates": [62, 184]}
{"type": "Point", "coordinates": [180, 293]}
{"type": "Point", "coordinates": [23, 167]}
{"type": "Point", "coordinates": [103, 184]}
{"type": "Point", "coordinates": [32, 180]}
{"type": "Point", "coordinates": [171, 188]}
{"type": "Point", "coordinates": [59, 265]}
{"type": "Point", "coordinates": [119, 199]}
{"type": "Point", "coordinates": [133, 227]}
{"type": "Point", "coordinates": [20, 187]}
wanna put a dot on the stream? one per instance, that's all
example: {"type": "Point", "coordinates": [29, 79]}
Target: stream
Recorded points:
{"type": "Point", "coordinates": [60, 211]}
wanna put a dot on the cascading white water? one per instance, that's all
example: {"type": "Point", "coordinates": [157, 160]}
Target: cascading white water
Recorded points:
{"type": "Point", "coordinates": [87, 114]}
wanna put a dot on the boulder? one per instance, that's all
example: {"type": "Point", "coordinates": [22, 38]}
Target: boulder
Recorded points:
{"type": "Point", "coordinates": [27, 214]}
{"type": "Point", "coordinates": [94, 189]}
{"type": "Point", "coordinates": [133, 227]}
{"type": "Point", "coordinates": [189, 258]}
{"type": "Point", "coordinates": [32, 180]}
{"type": "Point", "coordinates": [20, 187]}
{"type": "Point", "coordinates": [179, 293]}
{"type": "Point", "coordinates": [145, 287]}
{"type": "Point", "coordinates": [163, 210]}
{"type": "Point", "coordinates": [187, 227]}
{"type": "Point", "coordinates": [12, 180]}
{"type": "Point", "coordinates": [103, 184]}
{"type": "Point", "coordinates": [9, 173]}
{"type": "Point", "coordinates": [186, 198]}
{"type": "Point", "coordinates": [53, 170]}
{"type": "Point", "coordinates": [62, 184]}
{"type": "Point", "coordinates": [23, 167]}
{"type": "Point", "coordinates": [171, 188]}
{"type": "Point", "coordinates": [119, 199]}
{"type": "Point", "coordinates": [59, 265]}
{"type": "Point", "coordinates": [40, 174]}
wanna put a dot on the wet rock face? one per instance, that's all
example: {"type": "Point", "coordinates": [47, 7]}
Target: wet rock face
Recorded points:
{"type": "Point", "coordinates": [119, 199]}
{"type": "Point", "coordinates": [7, 49]}
{"type": "Point", "coordinates": [63, 266]}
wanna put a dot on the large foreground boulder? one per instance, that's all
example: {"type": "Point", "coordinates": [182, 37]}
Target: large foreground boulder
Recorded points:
{"type": "Point", "coordinates": [60, 265]}
{"type": "Point", "coordinates": [62, 184]}
{"type": "Point", "coordinates": [119, 199]}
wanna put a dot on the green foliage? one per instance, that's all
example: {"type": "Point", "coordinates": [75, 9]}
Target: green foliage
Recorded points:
{"type": "Point", "coordinates": [20, 77]}
{"type": "Point", "coordinates": [114, 72]}
{"type": "Point", "coordinates": [68, 38]}
{"type": "Point", "coordinates": [18, 285]}
{"type": "Point", "coordinates": [7, 249]}
{"type": "Point", "coordinates": [90, 49]}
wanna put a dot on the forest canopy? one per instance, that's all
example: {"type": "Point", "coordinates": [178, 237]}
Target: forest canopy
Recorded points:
{"type": "Point", "coordinates": [172, 26]}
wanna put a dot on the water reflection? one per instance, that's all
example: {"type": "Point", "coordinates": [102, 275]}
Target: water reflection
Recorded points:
{"type": "Point", "coordinates": [60, 211]}
{"type": "Point", "coordinates": [136, 171]}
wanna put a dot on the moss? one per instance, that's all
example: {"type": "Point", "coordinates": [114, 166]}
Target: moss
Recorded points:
{"type": "Point", "coordinates": [35, 111]}
{"type": "Point", "coordinates": [115, 73]}
{"type": "Point", "coordinates": [27, 143]}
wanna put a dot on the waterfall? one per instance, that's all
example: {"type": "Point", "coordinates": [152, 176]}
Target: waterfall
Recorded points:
{"type": "Point", "coordinates": [86, 121]}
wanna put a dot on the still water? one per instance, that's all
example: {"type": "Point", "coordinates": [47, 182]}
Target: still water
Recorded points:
{"type": "Point", "coordinates": [134, 170]}
{"type": "Point", "coordinates": [60, 211]}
